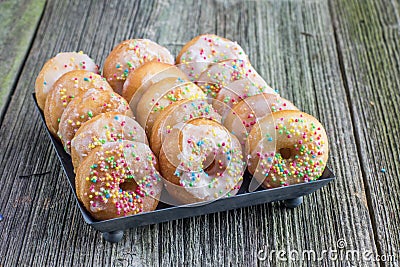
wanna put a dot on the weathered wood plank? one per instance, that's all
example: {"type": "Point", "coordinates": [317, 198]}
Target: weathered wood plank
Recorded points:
{"type": "Point", "coordinates": [18, 23]}
{"type": "Point", "coordinates": [42, 225]}
{"type": "Point", "coordinates": [368, 34]}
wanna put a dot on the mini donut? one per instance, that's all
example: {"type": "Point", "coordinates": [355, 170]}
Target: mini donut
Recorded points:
{"type": "Point", "coordinates": [205, 49]}
{"type": "Point", "coordinates": [287, 147]}
{"type": "Point", "coordinates": [57, 66]}
{"type": "Point", "coordinates": [148, 74]}
{"type": "Point", "coordinates": [102, 129]}
{"type": "Point", "coordinates": [160, 95]}
{"type": "Point", "coordinates": [221, 74]}
{"type": "Point", "coordinates": [179, 113]}
{"type": "Point", "coordinates": [201, 161]}
{"type": "Point", "coordinates": [235, 92]}
{"type": "Point", "coordinates": [86, 106]}
{"type": "Point", "coordinates": [241, 118]}
{"type": "Point", "coordinates": [65, 89]}
{"type": "Point", "coordinates": [118, 179]}
{"type": "Point", "coordinates": [130, 54]}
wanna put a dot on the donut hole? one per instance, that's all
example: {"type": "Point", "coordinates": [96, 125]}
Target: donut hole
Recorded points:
{"type": "Point", "coordinates": [214, 166]}
{"type": "Point", "coordinates": [285, 152]}
{"type": "Point", "coordinates": [128, 186]}
{"type": "Point", "coordinates": [210, 168]}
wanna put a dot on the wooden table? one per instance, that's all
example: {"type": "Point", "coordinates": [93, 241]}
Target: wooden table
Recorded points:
{"type": "Point", "coordinates": [338, 60]}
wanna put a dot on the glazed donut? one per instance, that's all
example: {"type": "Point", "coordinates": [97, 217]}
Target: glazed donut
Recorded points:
{"type": "Point", "coordinates": [148, 74]}
{"type": "Point", "coordinates": [241, 118]}
{"type": "Point", "coordinates": [84, 107]}
{"type": "Point", "coordinates": [221, 74]}
{"type": "Point", "coordinates": [160, 95]}
{"type": "Point", "coordinates": [205, 49]}
{"type": "Point", "coordinates": [235, 92]}
{"type": "Point", "coordinates": [57, 66]}
{"type": "Point", "coordinates": [130, 54]}
{"type": "Point", "coordinates": [287, 147]}
{"type": "Point", "coordinates": [65, 89]}
{"type": "Point", "coordinates": [177, 114]}
{"type": "Point", "coordinates": [201, 161]}
{"type": "Point", "coordinates": [102, 129]}
{"type": "Point", "coordinates": [118, 179]}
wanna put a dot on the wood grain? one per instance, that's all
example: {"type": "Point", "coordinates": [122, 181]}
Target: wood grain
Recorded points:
{"type": "Point", "coordinates": [291, 43]}
{"type": "Point", "coordinates": [368, 34]}
{"type": "Point", "coordinates": [18, 23]}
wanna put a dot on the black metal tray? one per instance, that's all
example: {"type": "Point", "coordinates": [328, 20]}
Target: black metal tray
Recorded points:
{"type": "Point", "coordinates": [112, 230]}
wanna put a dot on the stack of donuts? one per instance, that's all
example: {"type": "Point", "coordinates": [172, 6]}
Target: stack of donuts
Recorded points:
{"type": "Point", "coordinates": [192, 127]}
